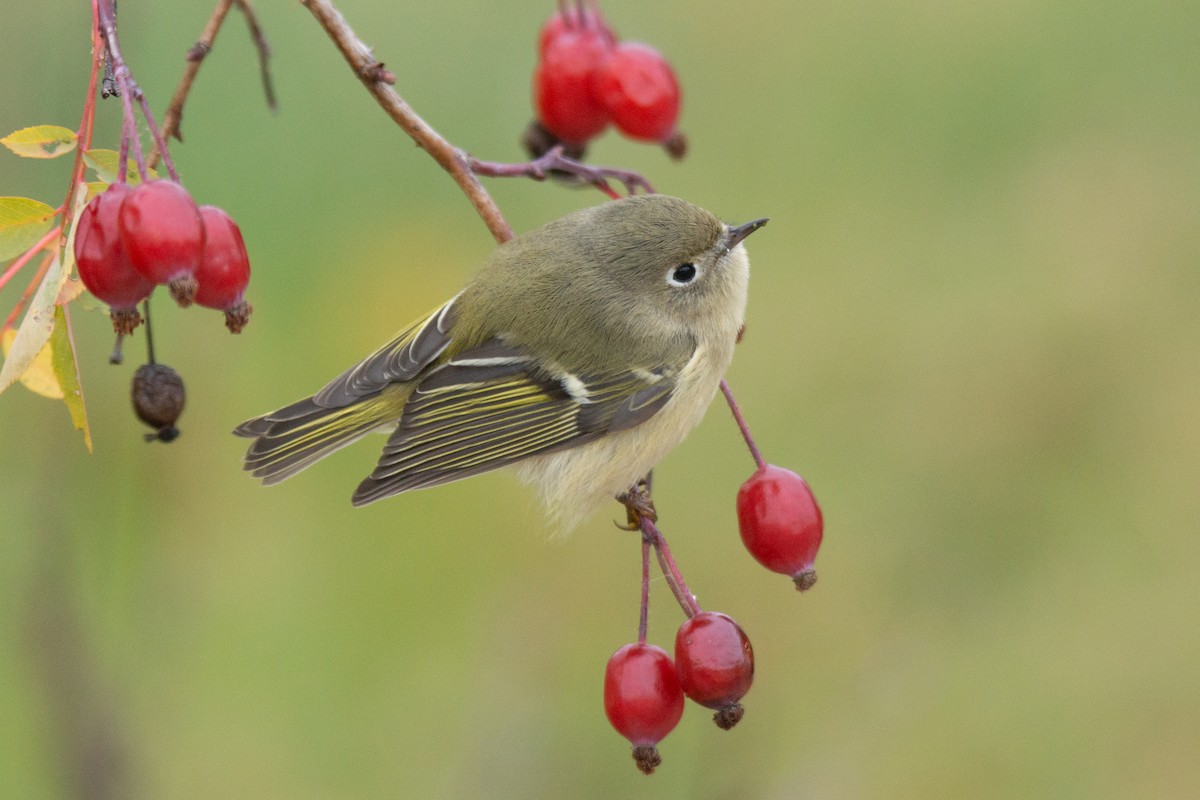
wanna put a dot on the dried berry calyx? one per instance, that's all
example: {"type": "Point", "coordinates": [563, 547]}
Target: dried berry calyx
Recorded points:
{"type": "Point", "coordinates": [158, 400]}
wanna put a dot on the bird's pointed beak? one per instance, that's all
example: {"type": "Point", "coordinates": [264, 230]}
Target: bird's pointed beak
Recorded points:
{"type": "Point", "coordinates": [742, 231]}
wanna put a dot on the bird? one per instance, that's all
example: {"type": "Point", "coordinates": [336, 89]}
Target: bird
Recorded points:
{"type": "Point", "coordinates": [582, 352]}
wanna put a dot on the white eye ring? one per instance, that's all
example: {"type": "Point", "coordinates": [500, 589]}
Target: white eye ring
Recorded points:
{"type": "Point", "coordinates": [683, 274]}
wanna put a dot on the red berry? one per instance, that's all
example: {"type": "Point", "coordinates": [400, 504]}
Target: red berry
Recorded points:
{"type": "Point", "coordinates": [781, 523]}
{"type": "Point", "coordinates": [715, 664]}
{"type": "Point", "coordinates": [164, 236]}
{"type": "Point", "coordinates": [573, 20]}
{"type": "Point", "coordinates": [639, 89]}
{"type": "Point", "coordinates": [562, 83]}
{"type": "Point", "coordinates": [642, 699]}
{"type": "Point", "coordinates": [103, 264]}
{"type": "Point", "coordinates": [224, 269]}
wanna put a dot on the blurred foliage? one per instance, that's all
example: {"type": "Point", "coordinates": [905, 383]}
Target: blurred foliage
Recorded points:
{"type": "Point", "coordinates": [973, 328]}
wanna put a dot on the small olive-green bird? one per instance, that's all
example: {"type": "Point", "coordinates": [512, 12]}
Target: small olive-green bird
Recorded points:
{"type": "Point", "coordinates": [583, 351]}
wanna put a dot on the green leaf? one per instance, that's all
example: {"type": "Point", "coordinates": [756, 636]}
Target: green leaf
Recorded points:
{"type": "Point", "coordinates": [104, 162]}
{"type": "Point", "coordinates": [41, 141]}
{"type": "Point", "coordinates": [38, 324]}
{"type": "Point", "coordinates": [22, 223]}
{"type": "Point", "coordinates": [66, 370]}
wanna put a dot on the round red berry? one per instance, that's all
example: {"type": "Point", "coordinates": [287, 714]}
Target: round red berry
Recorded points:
{"type": "Point", "coordinates": [640, 91]}
{"type": "Point", "coordinates": [642, 699]}
{"type": "Point", "coordinates": [574, 19]}
{"type": "Point", "coordinates": [715, 664]}
{"type": "Point", "coordinates": [224, 270]}
{"type": "Point", "coordinates": [104, 266]}
{"type": "Point", "coordinates": [781, 523]}
{"type": "Point", "coordinates": [562, 84]}
{"type": "Point", "coordinates": [164, 236]}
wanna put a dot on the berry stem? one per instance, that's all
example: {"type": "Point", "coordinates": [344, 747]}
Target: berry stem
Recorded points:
{"type": "Point", "coordinates": [644, 619]}
{"type": "Point", "coordinates": [128, 132]}
{"type": "Point", "coordinates": [741, 423]}
{"type": "Point", "coordinates": [149, 331]}
{"type": "Point", "coordinates": [679, 587]}
{"type": "Point", "coordinates": [129, 91]}
{"type": "Point", "coordinates": [554, 159]}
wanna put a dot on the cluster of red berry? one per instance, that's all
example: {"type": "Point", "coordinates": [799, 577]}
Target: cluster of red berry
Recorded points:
{"type": "Point", "coordinates": [586, 78]}
{"type": "Point", "coordinates": [130, 239]}
{"type": "Point", "coordinates": [644, 689]}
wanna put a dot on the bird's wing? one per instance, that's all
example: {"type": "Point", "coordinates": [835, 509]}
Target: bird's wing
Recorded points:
{"type": "Point", "coordinates": [400, 360]}
{"type": "Point", "coordinates": [494, 405]}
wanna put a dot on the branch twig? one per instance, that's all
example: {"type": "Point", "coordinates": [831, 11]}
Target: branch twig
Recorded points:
{"type": "Point", "coordinates": [555, 159]}
{"type": "Point", "coordinates": [173, 117]}
{"type": "Point", "coordinates": [264, 51]}
{"type": "Point", "coordinates": [370, 71]}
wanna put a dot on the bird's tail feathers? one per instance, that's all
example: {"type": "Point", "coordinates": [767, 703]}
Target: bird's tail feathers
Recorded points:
{"type": "Point", "coordinates": [296, 437]}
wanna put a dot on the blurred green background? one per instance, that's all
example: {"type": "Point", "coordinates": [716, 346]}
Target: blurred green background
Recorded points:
{"type": "Point", "coordinates": [973, 327]}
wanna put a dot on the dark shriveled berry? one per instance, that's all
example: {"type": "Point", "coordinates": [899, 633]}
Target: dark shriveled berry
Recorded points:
{"type": "Point", "coordinates": [158, 400]}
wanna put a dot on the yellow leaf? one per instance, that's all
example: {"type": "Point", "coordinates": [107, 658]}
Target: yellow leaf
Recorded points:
{"type": "Point", "coordinates": [39, 319]}
{"type": "Point", "coordinates": [66, 373]}
{"type": "Point", "coordinates": [104, 162]}
{"type": "Point", "coordinates": [70, 290]}
{"type": "Point", "coordinates": [22, 223]}
{"type": "Point", "coordinates": [39, 377]}
{"type": "Point", "coordinates": [41, 141]}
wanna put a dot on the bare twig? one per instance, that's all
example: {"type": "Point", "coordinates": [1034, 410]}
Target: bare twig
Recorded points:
{"type": "Point", "coordinates": [450, 158]}
{"type": "Point", "coordinates": [195, 56]}
{"type": "Point", "coordinates": [264, 51]}
{"type": "Point", "coordinates": [173, 118]}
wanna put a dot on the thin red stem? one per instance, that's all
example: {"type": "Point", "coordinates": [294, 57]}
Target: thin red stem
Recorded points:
{"type": "Point", "coordinates": [29, 290]}
{"type": "Point", "coordinates": [131, 91]}
{"type": "Point", "coordinates": [86, 125]}
{"type": "Point", "coordinates": [679, 587]}
{"type": "Point", "coordinates": [741, 423]}
{"type": "Point", "coordinates": [644, 621]}
{"type": "Point", "coordinates": [128, 132]}
{"type": "Point", "coordinates": [28, 255]}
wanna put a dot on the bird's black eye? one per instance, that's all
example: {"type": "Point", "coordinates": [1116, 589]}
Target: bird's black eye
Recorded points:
{"type": "Point", "coordinates": [682, 275]}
